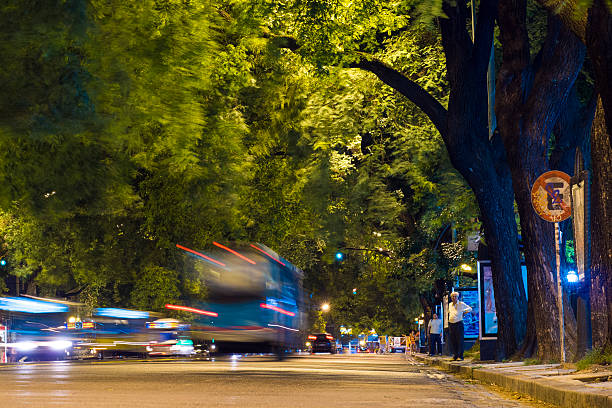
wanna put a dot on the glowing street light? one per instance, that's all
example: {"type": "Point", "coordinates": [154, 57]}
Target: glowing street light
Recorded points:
{"type": "Point", "coordinates": [572, 277]}
{"type": "Point", "coordinates": [325, 307]}
{"type": "Point", "coordinates": [465, 267]}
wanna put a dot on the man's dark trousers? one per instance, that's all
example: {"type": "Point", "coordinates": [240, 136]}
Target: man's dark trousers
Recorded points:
{"type": "Point", "coordinates": [434, 341]}
{"type": "Point", "coordinates": [456, 339]}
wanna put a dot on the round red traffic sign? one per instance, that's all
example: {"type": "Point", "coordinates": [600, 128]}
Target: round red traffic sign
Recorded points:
{"type": "Point", "coordinates": [550, 196]}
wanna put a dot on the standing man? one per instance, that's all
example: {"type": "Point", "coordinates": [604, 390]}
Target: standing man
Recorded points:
{"type": "Point", "coordinates": [434, 328]}
{"type": "Point", "coordinates": [456, 310]}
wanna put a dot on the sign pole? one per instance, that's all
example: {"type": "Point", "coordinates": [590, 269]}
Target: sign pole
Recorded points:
{"type": "Point", "coordinates": [550, 197]}
{"type": "Point", "coordinates": [559, 291]}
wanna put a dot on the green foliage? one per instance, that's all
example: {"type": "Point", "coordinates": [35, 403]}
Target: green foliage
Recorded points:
{"type": "Point", "coordinates": [474, 352]}
{"type": "Point", "coordinates": [532, 361]}
{"type": "Point", "coordinates": [155, 288]}
{"type": "Point", "coordinates": [318, 323]}
{"type": "Point", "coordinates": [127, 128]}
{"type": "Point", "coordinates": [595, 357]}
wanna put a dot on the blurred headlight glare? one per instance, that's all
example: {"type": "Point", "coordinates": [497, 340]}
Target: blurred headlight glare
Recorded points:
{"type": "Point", "coordinates": [59, 344]}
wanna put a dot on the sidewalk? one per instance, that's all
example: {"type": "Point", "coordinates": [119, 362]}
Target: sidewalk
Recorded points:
{"type": "Point", "coordinates": [547, 382]}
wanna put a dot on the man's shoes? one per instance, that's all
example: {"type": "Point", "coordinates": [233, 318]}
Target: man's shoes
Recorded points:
{"type": "Point", "coordinates": [461, 358]}
{"type": "Point", "coordinates": [454, 358]}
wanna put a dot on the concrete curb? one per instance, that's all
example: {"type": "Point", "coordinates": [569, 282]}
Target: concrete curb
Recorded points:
{"type": "Point", "coordinates": [564, 392]}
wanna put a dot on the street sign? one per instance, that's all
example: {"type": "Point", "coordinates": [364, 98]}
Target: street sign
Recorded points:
{"type": "Point", "coordinates": [473, 240]}
{"type": "Point", "coordinates": [551, 195]}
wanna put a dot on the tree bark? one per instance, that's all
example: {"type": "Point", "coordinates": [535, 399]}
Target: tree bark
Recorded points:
{"type": "Point", "coordinates": [527, 108]}
{"type": "Point", "coordinates": [596, 33]}
{"type": "Point", "coordinates": [601, 233]}
{"type": "Point", "coordinates": [599, 48]}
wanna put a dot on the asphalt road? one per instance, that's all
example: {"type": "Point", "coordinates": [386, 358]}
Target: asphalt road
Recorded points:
{"type": "Point", "coordinates": [305, 381]}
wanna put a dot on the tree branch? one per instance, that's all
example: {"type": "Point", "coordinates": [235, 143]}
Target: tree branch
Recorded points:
{"type": "Point", "coordinates": [512, 18]}
{"type": "Point", "coordinates": [282, 41]}
{"type": "Point", "coordinates": [570, 15]}
{"type": "Point", "coordinates": [390, 76]}
{"type": "Point", "coordinates": [411, 90]}
{"type": "Point", "coordinates": [561, 62]}
{"type": "Point", "coordinates": [483, 38]}
{"type": "Point", "coordinates": [456, 41]}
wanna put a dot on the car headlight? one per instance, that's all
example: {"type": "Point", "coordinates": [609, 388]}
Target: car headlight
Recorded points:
{"type": "Point", "coordinates": [59, 344]}
{"type": "Point", "coordinates": [26, 345]}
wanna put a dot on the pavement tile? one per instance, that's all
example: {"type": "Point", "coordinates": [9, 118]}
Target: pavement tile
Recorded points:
{"type": "Point", "coordinates": [545, 382]}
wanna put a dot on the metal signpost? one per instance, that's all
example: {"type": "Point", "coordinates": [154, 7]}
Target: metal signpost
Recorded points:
{"type": "Point", "coordinates": [550, 197]}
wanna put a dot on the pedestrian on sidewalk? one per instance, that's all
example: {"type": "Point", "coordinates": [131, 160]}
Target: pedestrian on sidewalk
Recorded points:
{"type": "Point", "coordinates": [413, 342]}
{"type": "Point", "coordinates": [434, 328]}
{"type": "Point", "coordinates": [456, 310]}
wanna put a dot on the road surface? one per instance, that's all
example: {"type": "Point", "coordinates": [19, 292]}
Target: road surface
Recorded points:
{"type": "Point", "coordinates": [305, 381]}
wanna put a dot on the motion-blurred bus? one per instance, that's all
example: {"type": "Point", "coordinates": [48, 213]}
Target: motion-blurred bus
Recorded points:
{"type": "Point", "coordinates": [34, 328]}
{"type": "Point", "coordinates": [254, 302]}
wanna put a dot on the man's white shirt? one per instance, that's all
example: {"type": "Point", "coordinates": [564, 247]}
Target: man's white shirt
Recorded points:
{"type": "Point", "coordinates": [435, 326]}
{"type": "Point", "coordinates": [455, 312]}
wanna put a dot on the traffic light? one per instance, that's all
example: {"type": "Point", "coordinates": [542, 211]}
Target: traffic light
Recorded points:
{"type": "Point", "coordinates": [339, 256]}
{"type": "Point", "coordinates": [354, 291]}
{"type": "Point", "coordinates": [2, 262]}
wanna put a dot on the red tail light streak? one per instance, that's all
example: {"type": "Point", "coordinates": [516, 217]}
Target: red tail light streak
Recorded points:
{"type": "Point", "coordinates": [192, 310]}
{"type": "Point", "coordinates": [276, 309]}
{"type": "Point", "coordinates": [200, 255]}
{"type": "Point", "coordinates": [261, 250]}
{"type": "Point", "coordinates": [252, 262]}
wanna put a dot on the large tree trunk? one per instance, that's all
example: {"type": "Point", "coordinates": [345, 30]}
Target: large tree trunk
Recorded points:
{"type": "Point", "coordinates": [599, 48]}
{"type": "Point", "coordinates": [482, 162]}
{"type": "Point", "coordinates": [527, 108]}
{"type": "Point", "coordinates": [601, 233]}
{"type": "Point", "coordinates": [497, 212]}
{"type": "Point", "coordinates": [596, 33]}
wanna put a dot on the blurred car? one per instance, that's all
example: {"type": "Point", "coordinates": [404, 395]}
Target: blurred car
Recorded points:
{"type": "Point", "coordinates": [182, 346]}
{"type": "Point", "coordinates": [52, 349]}
{"type": "Point", "coordinates": [322, 343]}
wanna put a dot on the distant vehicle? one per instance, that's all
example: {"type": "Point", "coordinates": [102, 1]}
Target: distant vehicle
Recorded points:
{"type": "Point", "coordinates": [397, 344]}
{"type": "Point", "coordinates": [181, 346]}
{"type": "Point", "coordinates": [167, 339]}
{"type": "Point", "coordinates": [322, 343]}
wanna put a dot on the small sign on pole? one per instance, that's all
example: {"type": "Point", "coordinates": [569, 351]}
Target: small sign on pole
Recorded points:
{"type": "Point", "coordinates": [551, 195]}
{"type": "Point", "coordinates": [473, 240]}
{"type": "Point", "coordinates": [551, 200]}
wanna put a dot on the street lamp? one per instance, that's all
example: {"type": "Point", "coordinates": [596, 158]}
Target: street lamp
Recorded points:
{"type": "Point", "coordinates": [325, 307]}
{"type": "Point", "coordinates": [466, 267]}
{"type": "Point", "coordinates": [572, 277]}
